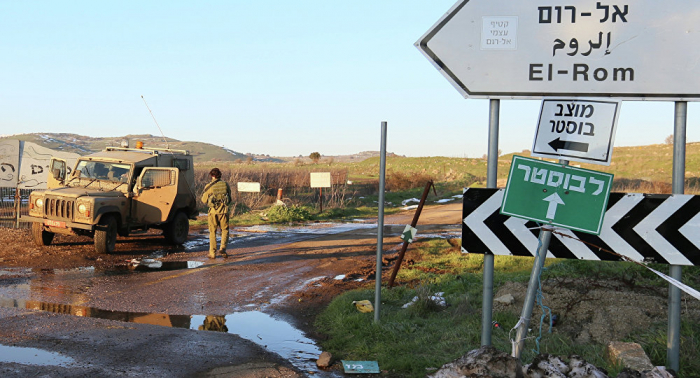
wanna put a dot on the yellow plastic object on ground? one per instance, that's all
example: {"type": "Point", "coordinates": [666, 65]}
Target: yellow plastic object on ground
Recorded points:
{"type": "Point", "coordinates": [363, 306]}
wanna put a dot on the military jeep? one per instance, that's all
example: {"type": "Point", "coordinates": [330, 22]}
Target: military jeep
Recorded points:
{"type": "Point", "coordinates": [116, 192]}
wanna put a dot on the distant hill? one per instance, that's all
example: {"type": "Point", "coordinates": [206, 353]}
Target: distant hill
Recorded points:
{"type": "Point", "coordinates": [202, 152]}
{"type": "Point", "coordinates": [354, 158]}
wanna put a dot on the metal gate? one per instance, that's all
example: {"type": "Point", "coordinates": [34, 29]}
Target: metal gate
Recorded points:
{"type": "Point", "coordinates": [14, 202]}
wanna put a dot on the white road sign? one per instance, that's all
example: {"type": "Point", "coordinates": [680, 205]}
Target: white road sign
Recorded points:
{"type": "Point", "coordinates": [251, 187]}
{"type": "Point", "coordinates": [531, 49]}
{"type": "Point", "coordinates": [320, 179]}
{"type": "Point", "coordinates": [577, 129]}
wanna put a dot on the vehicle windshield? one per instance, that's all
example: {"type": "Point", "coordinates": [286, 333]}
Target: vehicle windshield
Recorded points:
{"type": "Point", "coordinates": [100, 170]}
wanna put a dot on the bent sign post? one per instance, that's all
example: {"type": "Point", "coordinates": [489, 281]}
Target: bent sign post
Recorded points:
{"type": "Point", "coordinates": [529, 49]}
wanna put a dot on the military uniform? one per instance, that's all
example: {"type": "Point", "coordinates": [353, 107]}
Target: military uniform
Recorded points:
{"type": "Point", "coordinates": [217, 195]}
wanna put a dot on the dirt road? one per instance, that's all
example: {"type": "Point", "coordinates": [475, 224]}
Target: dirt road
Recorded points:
{"type": "Point", "coordinates": [288, 272]}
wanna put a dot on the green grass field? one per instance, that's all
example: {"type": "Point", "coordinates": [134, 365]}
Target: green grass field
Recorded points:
{"type": "Point", "coordinates": [413, 341]}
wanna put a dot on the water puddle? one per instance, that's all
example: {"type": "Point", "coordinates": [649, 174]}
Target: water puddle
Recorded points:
{"type": "Point", "coordinates": [274, 335]}
{"type": "Point", "coordinates": [33, 356]}
{"type": "Point", "coordinates": [325, 228]}
{"type": "Point", "coordinates": [153, 265]}
{"type": "Point", "coordinates": [262, 329]}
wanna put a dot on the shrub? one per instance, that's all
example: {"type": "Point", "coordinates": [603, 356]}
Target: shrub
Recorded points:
{"type": "Point", "coordinates": [281, 214]}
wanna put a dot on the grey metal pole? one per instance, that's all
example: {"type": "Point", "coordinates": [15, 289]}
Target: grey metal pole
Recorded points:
{"type": "Point", "coordinates": [678, 187]}
{"type": "Point", "coordinates": [380, 225]}
{"type": "Point", "coordinates": [491, 182]}
{"type": "Point", "coordinates": [524, 322]}
{"type": "Point", "coordinates": [532, 286]}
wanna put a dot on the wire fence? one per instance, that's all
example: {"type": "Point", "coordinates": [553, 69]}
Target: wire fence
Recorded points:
{"type": "Point", "coordinates": [14, 202]}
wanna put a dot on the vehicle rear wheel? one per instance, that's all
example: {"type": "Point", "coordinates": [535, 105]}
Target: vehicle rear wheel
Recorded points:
{"type": "Point", "coordinates": [41, 237]}
{"type": "Point", "coordinates": [106, 235]}
{"type": "Point", "coordinates": [176, 231]}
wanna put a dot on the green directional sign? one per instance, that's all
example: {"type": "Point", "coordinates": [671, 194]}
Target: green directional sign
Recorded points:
{"type": "Point", "coordinates": [557, 194]}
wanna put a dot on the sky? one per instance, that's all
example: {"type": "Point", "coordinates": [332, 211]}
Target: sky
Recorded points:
{"type": "Point", "coordinates": [283, 78]}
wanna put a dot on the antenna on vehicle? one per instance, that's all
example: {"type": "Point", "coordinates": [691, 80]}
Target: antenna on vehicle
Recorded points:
{"type": "Point", "coordinates": [154, 120]}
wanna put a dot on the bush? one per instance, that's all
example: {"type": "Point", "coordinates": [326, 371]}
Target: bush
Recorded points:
{"type": "Point", "coordinates": [281, 214]}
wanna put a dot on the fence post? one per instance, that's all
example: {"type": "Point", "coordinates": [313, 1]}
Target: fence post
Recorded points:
{"type": "Point", "coordinates": [18, 205]}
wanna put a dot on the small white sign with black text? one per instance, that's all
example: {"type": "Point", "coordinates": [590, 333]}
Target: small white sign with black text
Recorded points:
{"type": "Point", "coordinates": [577, 129]}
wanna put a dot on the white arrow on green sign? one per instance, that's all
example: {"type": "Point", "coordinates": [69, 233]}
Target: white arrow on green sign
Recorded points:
{"type": "Point", "coordinates": [557, 194]}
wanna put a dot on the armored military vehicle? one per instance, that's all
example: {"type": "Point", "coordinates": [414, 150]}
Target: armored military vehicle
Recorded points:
{"type": "Point", "coordinates": [115, 192]}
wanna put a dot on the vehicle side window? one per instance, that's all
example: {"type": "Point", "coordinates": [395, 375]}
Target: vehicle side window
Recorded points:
{"type": "Point", "coordinates": [155, 178]}
{"type": "Point", "coordinates": [181, 164]}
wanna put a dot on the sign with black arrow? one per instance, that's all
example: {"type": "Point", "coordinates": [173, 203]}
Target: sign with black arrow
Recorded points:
{"type": "Point", "coordinates": [577, 129]}
{"type": "Point", "coordinates": [643, 227]}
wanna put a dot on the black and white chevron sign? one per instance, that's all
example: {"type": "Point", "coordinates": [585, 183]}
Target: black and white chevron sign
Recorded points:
{"type": "Point", "coordinates": [644, 227]}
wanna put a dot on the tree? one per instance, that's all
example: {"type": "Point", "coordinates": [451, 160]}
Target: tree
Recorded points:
{"type": "Point", "coordinates": [315, 156]}
{"type": "Point", "coordinates": [669, 139]}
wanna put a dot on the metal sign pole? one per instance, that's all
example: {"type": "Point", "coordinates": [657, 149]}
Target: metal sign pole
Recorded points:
{"type": "Point", "coordinates": [532, 286]}
{"type": "Point", "coordinates": [678, 187]}
{"type": "Point", "coordinates": [491, 182]}
{"type": "Point", "coordinates": [380, 225]}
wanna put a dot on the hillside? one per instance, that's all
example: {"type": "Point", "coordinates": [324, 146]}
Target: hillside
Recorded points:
{"type": "Point", "coordinates": [202, 152]}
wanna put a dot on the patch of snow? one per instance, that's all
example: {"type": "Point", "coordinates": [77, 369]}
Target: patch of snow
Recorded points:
{"type": "Point", "coordinates": [405, 202]}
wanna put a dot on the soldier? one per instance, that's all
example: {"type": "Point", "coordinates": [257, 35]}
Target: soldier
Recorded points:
{"type": "Point", "coordinates": [217, 195]}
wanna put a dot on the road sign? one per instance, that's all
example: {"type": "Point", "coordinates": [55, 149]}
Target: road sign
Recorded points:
{"type": "Point", "coordinates": [643, 227]}
{"type": "Point", "coordinates": [556, 194]}
{"type": "Point", "coordinates": [360, 367]}
{"type": "Point", "coordinates": [409, 234]}
{"type": "Point", "coordinates": [252, 187]}
{"type": "Point", "coordinates": [320, 179]}
{"type": "Point", "coordinates": [530, 49]}
{"type": "Point", "coordinates": [577, 129]}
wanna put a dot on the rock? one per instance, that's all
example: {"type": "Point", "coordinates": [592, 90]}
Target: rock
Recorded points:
{"type": "Point", "coordinates": [656, 372]}
{"type": "Point", "coordinates": [580, 368]}
{"type": "Point", "coordinates": [506, 299]}
{"type": "Point", "coordinates": [485, 362]}
{"type": "Point", "coordinates": [324, 360]}
{"type": "Point", "coordinates": [629, 355]}
{"type": "Point", "coordinates": [545, 365]}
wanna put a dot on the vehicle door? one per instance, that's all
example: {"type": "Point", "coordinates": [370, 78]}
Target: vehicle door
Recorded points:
{"type": "Point", "coordinates": [154, 195]}
{"type": "Point", "coordinates": [57, 173]}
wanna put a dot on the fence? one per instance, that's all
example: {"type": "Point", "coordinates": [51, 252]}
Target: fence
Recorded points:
{"type": "Point", "coordinates": [10, 205]}
{"type": "Point", "coordinates": [337, 196]}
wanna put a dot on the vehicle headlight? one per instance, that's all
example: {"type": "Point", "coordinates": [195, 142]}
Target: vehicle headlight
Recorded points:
{"type": "Point", "coordinates": [39, 202]}
{"type": "Point", "coordinates": [82, 208]}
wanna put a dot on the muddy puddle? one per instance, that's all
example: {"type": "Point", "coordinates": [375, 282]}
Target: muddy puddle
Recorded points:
{"type": "Point", "coordinates": [33, 356]}
{"type": "Point", "coordinates": [275, 335]}
{"type": "Point", "coordinates": [50, 289]}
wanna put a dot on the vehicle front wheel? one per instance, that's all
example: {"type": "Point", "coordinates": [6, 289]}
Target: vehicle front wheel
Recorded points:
{"type": "Point", "coordinates": [106, 235]}
{"type": "Point", "coordinates": [41, 237]}
{"type": "Point", "coordinates": [176, 231]}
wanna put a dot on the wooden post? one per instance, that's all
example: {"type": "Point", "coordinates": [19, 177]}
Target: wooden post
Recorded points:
{"type": "Point", "coordinates": [414, 222]}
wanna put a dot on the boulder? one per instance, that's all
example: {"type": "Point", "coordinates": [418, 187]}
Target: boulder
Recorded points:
{"type": "Point", "coordinates": [545, 365]}
{"type": "Point", "coordinates": [485, 362]}
{"type": "Point", "coordinates": [629, 355]}
{"type": "Point", "coordinates": [324, 360]}
{"type": "Point", "coordinates": [505, 299]}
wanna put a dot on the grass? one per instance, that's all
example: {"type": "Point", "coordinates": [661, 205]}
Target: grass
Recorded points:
{"type": "Point", "coordinates": [414, 341]}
